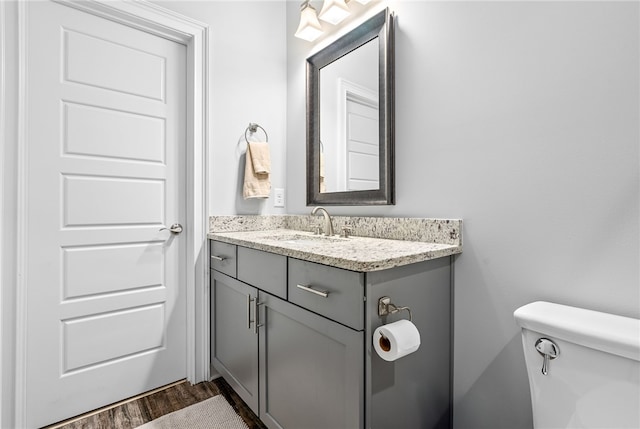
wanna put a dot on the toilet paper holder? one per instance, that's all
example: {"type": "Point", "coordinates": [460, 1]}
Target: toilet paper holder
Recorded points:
{"type": "Point", "coordinates": [386, 307]}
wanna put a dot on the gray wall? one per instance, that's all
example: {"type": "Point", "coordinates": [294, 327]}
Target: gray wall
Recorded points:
{"type": "Point", "coordinates": [519, 117]}
{"type": "Point", "coordinates": [522, 119]}
{"type": "Point", "coordinates": [248, 77]}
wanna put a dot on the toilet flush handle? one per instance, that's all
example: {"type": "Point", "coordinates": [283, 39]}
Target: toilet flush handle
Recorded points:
{"type": "Point", "coordinates": [549, 350]}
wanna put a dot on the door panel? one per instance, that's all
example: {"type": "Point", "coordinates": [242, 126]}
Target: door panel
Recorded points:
{"type": "Point", "coordinates": [105, 296]}
{"type": "Point", "coordinates": [100, 200]}
{"type": "Point", "coordinates": [107, 64]}
{"type": "Point", "coordinates": [116, 134]}
{"type": "Point", "coordinates": [85, 272]}
{"type": "Point", "coordinates": [95, 339]}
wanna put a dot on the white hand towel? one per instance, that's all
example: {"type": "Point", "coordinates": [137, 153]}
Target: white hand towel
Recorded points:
{"type": "Point", "coordinates": [260, 157]}
{"type": "Point", "coordinates": [257, 184]}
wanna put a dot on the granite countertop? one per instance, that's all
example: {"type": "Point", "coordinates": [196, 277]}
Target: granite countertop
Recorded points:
{"type": "Point", "coordinates": [356, 253]}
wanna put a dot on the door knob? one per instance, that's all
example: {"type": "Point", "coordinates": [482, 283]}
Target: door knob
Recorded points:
{"type": "Point", "coordinates": [176, 228]}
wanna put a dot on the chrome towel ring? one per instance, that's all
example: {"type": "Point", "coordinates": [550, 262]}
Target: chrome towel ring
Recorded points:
{"type": "Point", "coordinates": [253, 128]}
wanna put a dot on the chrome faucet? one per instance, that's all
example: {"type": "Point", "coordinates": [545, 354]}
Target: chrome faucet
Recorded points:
{"type": "Point", "coordinates": [328, 226]}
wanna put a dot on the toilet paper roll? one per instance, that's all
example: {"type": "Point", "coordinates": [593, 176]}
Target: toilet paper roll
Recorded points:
{"type": "Point", "coordinates": [396, 340]}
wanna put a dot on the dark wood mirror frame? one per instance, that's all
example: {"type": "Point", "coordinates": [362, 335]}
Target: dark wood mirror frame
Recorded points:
{"type": "Point", "coordinates": [379, 26]}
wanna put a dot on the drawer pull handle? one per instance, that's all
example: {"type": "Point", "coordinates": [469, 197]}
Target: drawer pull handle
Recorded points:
{"type": "Point", "coordinates": [256, 315]}
{"type": "Point", "coordinates": [322, 293]}
{"type": "Point", "coordinates": [249, 301]}
{"type": "Point", "coordinates": [217, 258]}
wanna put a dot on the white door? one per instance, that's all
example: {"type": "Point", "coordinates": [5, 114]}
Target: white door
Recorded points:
{"type": "Point", "coordinates": [362, 144]}
{"type": "Point", "coordinates": [105, 298]}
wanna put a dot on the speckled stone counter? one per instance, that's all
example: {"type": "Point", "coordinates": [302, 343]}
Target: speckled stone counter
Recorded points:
{"type": "Point", "coordinates": [376, 243]}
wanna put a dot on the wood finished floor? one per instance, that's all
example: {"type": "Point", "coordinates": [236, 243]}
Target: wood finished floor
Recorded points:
{"type": "Point", "coordinates": [136, 412]}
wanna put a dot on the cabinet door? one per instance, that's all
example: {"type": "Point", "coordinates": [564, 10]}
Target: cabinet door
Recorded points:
{"type": "Point", "coordinates": [234, 341]}
{"type": "Point", "coordinates": [311, 369]}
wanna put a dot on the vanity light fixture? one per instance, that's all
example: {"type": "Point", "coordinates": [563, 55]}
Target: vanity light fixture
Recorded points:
{"type": "Point", "coordinates": [309, 28]}
{"type": "Point", "coordinates": [334, 11]}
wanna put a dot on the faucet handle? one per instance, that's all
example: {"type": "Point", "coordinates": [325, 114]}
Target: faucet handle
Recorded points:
{"type": "Point", "coordinates": [345, 231]}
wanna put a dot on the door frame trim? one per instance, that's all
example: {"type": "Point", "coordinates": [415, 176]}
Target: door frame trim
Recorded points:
{"type": "Point", "coordinates": [152, 19]}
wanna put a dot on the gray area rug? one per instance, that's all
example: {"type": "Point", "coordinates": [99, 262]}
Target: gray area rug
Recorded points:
{"type": "Point", "coordinates": [213, 413]}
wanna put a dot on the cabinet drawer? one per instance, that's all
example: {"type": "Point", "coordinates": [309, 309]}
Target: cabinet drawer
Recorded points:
{"type": "Point", "coordinates": [223, 257]}
{"type": "Point", "coordinates": [331, 292]}
{"type": "Point", "coordinates": [266, 271]}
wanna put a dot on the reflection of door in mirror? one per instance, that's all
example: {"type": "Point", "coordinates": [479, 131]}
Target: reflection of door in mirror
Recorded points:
{"type": "Point", "coordinates": [349, 129]}
{"type": "Point", "coordinates": [359, 138]}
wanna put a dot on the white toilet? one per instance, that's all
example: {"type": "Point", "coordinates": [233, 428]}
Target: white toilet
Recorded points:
{"type": "Point", "coordinates": [594, 379]}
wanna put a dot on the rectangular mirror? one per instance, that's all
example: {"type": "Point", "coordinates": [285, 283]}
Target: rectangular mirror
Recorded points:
{"type": "Point", "coordinates": [350, 117]}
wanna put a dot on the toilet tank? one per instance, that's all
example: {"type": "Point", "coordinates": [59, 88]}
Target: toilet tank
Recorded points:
{"type": "Point", "coordinates": [594, 382]}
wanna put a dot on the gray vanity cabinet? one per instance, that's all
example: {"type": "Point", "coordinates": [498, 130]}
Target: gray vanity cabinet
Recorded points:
{"type": "Point", "coordinates": [295, 368]}
{"type": "Point", "coordinates": [310, 362]}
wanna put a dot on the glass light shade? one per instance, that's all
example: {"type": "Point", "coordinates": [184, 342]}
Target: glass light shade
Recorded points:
{"type": "Point", "coordinates": [334, 11]}
{"type": "Point", "coordinates": [309, 28]}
